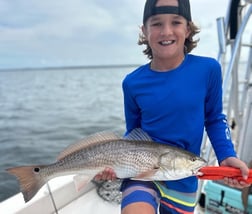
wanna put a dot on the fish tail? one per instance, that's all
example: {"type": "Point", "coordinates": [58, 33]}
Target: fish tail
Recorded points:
{"type": "Point", "coordinates": [29, 179]}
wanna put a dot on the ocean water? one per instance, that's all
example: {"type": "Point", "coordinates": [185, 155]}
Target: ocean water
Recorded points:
{"type": "Point", "coordinates": [43, 111]}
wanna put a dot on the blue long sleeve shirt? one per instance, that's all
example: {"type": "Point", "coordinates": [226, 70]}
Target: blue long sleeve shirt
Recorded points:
{"type": "Point", "coordinates": [174, 107]}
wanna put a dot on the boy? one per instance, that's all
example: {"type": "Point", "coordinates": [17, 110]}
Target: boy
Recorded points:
{"type": "Point", "coordinates": [173, 98]}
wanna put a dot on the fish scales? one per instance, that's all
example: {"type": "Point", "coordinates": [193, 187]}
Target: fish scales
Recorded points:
{"type": "Point", "coordinates": [135, 157]}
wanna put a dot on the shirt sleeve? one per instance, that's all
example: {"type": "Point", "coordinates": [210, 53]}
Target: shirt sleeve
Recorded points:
{"type": "Point", "coordinates": [215, 121]}
{"type": "Point", "coordinates": [131, 109]}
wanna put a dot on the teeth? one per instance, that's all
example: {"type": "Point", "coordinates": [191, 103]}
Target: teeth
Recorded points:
{"type": "Point", "coordinates": [166, 42]}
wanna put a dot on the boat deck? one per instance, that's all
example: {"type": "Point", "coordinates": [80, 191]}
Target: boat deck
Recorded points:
{"type": "Point", "coordinates": [90, 201]}
{"type": "Point", "coordinates": [62, 198]}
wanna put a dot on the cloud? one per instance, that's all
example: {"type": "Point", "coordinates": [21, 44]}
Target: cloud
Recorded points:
{"type": "Point", "coordinates": [67, 32]}
{"type": "Point", "coordinates": [73, 32]}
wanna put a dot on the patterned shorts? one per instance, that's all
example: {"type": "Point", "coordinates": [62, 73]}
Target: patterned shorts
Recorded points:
{"type": "Point", "coordinates": [159, 196]}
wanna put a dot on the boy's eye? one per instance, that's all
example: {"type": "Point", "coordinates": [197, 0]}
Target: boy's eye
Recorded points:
{"type": "Point", "coordinates": [156, 24]}
{"type": "Point", "coordinates": [176, 22]}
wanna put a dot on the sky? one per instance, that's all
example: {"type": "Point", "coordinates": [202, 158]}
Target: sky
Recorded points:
{"type": "Point", "coordinates": [36, 33]}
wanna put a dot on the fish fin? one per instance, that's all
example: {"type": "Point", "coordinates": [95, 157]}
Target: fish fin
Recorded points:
{"type": "Point", "coordinates": [146, 176]}
{"type": "Point", "coordinates": [81, 181]}
{"type": "Point", "coordinates": [138, 134]}
{"type": "Point", "coordinates": [29, 180]}
{"type": "Point", "coordinates": [98, 138]}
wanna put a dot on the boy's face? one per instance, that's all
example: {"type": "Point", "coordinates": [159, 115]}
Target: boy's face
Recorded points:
{"type": "Point", "coordinates": [166, 33]}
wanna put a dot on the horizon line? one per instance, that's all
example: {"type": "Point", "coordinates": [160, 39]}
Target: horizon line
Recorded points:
{"type": "Point", "coordinates": [71, 67]}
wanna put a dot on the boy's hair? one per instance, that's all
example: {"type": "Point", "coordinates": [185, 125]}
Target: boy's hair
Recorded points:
{"type": "Point", "coordinates": [189, 45]}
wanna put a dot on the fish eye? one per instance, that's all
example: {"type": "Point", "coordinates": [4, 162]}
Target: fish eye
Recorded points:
{"type": "Point", "coordinates": [193, 159]}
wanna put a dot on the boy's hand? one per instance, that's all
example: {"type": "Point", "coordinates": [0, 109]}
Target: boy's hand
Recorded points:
{"type": "Point", "coordinates": [107, 174]}
{"type": "Point", "coordinates": [237, 163]}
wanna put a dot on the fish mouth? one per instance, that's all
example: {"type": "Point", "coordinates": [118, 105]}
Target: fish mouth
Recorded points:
{"type": "Point", "coordinates": [196, 171]}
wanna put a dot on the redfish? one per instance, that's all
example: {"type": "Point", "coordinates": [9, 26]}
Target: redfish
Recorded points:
{"type": "Point", "coordinates": [136, 156]}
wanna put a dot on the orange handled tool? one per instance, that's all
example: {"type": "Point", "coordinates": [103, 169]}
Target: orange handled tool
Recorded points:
{"type": "Point", "coordinates": [221, 172]}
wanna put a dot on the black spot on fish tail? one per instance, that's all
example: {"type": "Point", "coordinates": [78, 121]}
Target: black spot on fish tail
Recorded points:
{"type": "Point", "coordinates": [36, 169]}
{"type": "Point", "coordinates": [29, 180]}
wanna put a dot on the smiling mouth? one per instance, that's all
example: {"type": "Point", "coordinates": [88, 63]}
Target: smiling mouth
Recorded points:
{"type": "Point", "coordinates": [166, 43]}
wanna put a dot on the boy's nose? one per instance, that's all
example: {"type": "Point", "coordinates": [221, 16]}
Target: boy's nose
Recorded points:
{"type": "Point", "coordinates": [166, 30]}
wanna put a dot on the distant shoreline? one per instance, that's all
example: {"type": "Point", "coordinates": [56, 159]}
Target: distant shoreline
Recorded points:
{"type": "Point", "coordinates": [71, 67]}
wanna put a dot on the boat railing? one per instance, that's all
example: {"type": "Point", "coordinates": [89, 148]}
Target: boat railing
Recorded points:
{"type": "Point", "coordinates": [237, 71]}
{"type": "Point", "coordinates": [235, 57]}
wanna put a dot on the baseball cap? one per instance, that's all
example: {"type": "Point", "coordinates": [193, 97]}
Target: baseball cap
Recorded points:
{"type": "Point", "coordinates": [183, 9]}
